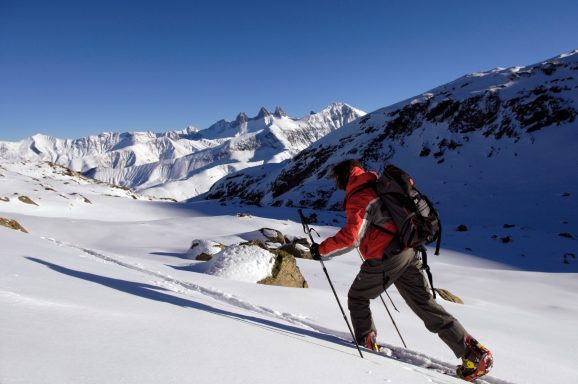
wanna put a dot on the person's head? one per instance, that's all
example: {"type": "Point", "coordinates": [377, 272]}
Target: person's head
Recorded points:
{"type": "Point", "coordinates": [342, 170]}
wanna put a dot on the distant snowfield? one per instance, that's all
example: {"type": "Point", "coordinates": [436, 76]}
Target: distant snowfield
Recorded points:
{"type": "Point", "coordinates": [102, 291]}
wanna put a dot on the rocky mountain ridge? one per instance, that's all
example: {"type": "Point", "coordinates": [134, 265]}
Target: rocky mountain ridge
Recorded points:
{"type": "Point", "coordinates": [183, 164]}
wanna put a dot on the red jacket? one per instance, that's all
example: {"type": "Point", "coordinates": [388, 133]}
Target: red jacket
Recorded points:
{"type": "Point", "coordinates": [362, 207]}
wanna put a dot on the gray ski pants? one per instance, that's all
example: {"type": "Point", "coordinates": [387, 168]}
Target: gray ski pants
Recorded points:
{"type": "Point", "coordinates": [403, 270]}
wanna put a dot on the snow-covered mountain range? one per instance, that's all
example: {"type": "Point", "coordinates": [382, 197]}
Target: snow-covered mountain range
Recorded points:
{"type": "Point", "coordinates": [495, 150]}
{"type": "Point", "coordinates": [183, 164]}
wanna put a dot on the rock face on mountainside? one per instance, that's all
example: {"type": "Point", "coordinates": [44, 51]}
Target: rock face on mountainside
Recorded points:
{"type": "Point", "coordinates": [184, 164]}
{"type": "Point", "coordinates": [480, 114]}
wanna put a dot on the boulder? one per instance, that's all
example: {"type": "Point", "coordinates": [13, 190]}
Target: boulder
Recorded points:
{"type": "Point", "coordinates": [26, 200]}
{"type": "Point", "coordinates": [298, 250]}
{"type": "Point", "coordinates": [203, 250]}
{"type": "Point", "coordinates": [273, 235]}
{"type": "Point", "coordinates": [295, 246]}
{"type": "Point", "coordinates": [246, 261]}
{"type": "Point", "coordinates": [462, 228]}
{"type": "Point", "coordinates": [285, 272]}
{"type": "Point", "coordinates": [12, 224]}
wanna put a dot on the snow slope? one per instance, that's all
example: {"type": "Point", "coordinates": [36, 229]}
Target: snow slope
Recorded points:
{"type": "Point", "coordinates": [103, 292]}
{"type": "Point", "coordinates": [495, 151]}
{"type": "Point", "coordinates": [184, 164]}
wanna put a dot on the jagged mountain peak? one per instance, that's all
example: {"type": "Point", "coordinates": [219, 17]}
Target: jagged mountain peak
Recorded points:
{"type": "Point", "coordinates": [241, 118]}
{"type": "Point", "coordinates": [189, 130]}
{"type": "Point", "coordinates": [279, 112]}
{"type": "Point", "coordinates": [339, 107]}
{"type": "Point", "coordinates": [263, 112]}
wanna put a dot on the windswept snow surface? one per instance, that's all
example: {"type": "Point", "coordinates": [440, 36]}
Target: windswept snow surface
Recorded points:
{"type": "Point", "coordinates": [103, 292]}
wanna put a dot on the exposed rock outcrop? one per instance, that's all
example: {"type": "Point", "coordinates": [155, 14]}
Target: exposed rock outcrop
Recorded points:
{"type": "Point", "coordinates": [263, 112]}
{"type": "Point", "coordinates": [26, 200]}
{"type": "Point", "coordinates": [447, 295]}
{"type": "Point", "coordinates": [285, 271]}
{"type": "Point", "coordinates": [12, 224]}
{"type": "Point", "coordinates": [241, 118]}
{"type": "Point", "coordinates": [279, 112]}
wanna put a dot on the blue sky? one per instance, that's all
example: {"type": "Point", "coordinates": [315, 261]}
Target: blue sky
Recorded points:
{"type": "Point", "coordinates": [74, 68]}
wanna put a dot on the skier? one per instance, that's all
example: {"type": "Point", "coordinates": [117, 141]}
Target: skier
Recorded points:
{"type": "Point", "coordinates": [378, 272]}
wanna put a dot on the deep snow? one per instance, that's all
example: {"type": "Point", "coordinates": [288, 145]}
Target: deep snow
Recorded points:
{"type": "Point", "coordinates": [105, 292]}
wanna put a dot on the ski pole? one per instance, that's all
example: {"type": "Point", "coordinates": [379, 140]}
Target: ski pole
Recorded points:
{"type": "Point", "coordinates": [389, 297]}
{"type": "Point", "coordinates": [387, 309]}
{"type": "Point", "coordinates": [307, 231]}
{"type": "Point", "coordinates": [393, 321]}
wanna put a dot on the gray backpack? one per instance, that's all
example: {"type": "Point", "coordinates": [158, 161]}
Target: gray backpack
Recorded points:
{"type": "Point", "coordinates": [415, 217]}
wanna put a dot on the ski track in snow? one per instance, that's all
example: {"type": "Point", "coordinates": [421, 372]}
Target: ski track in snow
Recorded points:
{"type": "Point", "coordinates": [181, 287]}
{"type": "Point", "coordinates": [415, 359]}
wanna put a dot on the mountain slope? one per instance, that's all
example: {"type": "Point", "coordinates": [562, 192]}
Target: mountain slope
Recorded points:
{"type": "Point", "coordinates": [104, 292]}
{"type": "Point", "coordinates": [183, 164]}
{"type": "Point", "coordinates": [495, 150]}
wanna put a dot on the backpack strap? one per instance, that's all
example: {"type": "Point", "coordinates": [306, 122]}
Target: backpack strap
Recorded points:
{"type": "Point", "coordinates": [425, 267]}
{"type": "Point", "coordinates": [439, 237]}
{"type": "Point", "coordinates": [360, 188]}
{"type": "Point", "coordinates": [384, 230]}
{"type": "Point", "coordinates": [439, 240]}
{"type": "Point", "coordinates": [365, 186]}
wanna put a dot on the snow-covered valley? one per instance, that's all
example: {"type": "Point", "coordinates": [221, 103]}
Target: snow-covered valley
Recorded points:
{"type": "Point", "coordinates": [100, 290]}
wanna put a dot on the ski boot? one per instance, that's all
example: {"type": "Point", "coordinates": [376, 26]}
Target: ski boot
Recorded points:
{"type": "Point", "coordinates": [477, 361]}
{"type": "Point", "coordinates": [370, 341]}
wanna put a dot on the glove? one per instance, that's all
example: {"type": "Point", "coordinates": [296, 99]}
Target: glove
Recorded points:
{"type": "Point", "coordinates": [314, 248]}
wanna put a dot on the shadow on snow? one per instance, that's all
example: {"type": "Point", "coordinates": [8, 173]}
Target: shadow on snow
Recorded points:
{"type": "Point", "coordinates": [160, 294]}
